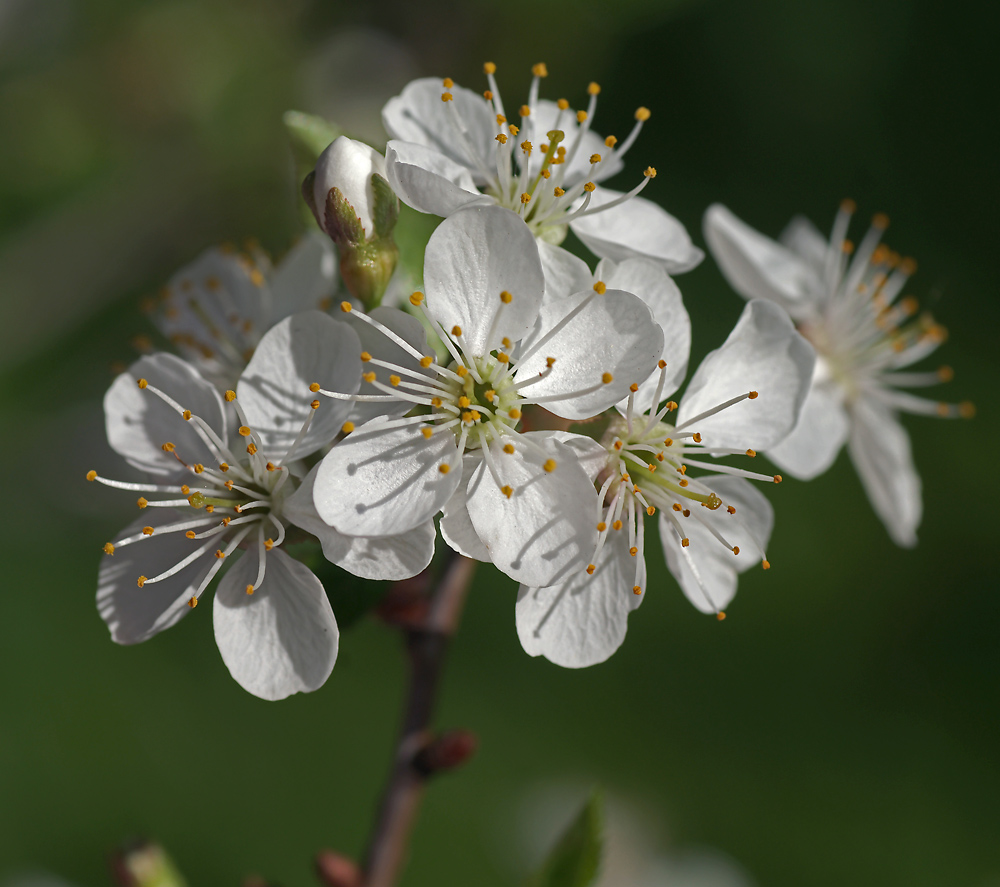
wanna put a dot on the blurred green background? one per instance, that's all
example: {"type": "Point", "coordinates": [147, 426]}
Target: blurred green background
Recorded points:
{"type": "Point", "coordinates": [840, 727]}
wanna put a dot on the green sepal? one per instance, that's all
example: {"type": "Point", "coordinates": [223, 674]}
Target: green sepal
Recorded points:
{"type": "Point", "coordinates": [341, 222]}
{"type": "Point", "coordinates": [385, 212]}
{"type": "Point", "coordinates": [576, 857]}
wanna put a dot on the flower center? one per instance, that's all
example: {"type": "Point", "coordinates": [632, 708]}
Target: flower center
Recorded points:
{"type": "Point", "coordinates": [485, 402]}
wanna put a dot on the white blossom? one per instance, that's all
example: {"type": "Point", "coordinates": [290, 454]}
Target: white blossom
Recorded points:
{"type": "Point", "coordinates": [713, 526]}
{"type": "Point", "coordinates": [846, 302]}
{"type": "Point", "coordinates": [516, 499]}
{"type": "Point", "coordinates": [214, 491]}
{"type": "Point", "coordinates": [451, 147]}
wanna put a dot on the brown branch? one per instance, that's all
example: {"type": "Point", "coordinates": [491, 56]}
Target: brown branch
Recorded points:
{"type": "Point", "coordinates": [426, 645]}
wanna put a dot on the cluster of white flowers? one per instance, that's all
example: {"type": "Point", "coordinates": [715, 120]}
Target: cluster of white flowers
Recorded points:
{"type": "Point", "coordinates": [520, 403]}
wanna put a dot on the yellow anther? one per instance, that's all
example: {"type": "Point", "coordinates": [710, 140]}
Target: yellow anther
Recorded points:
{"type": "Point", "coordinates": [676, 506]}
{"type": "Point", "coordinates": [777, 478]}
{"type": "Point", "coordinates": [187, 415]}
{"type": "Point", "coordinates": [662, 364]}
{"type": "Point", "coordinates": [489, 394]}
{"type": "Point", "coordinates": [229, 484]}
{"type": "Point", "coordinates": [252, 448]}
{"type": "Point", "coordinates": [685, 542]}
{"type": "Point", "coordinates": [524, 111]}
{"type": "Point", "coordinates": [502, 357]}
{"type": "Point", "coordinates": [394, 380]}
{"type": "Point", "coordinates": [446, 96]}
{"type": "Point", "coordinates": [489, 68]}
{"type": "Point", "coordinates": [720, 615]}
{"type": "Point", "coordinates": [649, 172]}
{"type": "Point", "coordinates": [506, 297]}
{"type": "Point", "coordinates": [730, 509]}
{"type": "Point", "coordinates": [650, 510]}
{"type": "Point", "coordinates": [595, 158]}
{"type": "Point", "coordinates": [633, 387]}
{"type": "Point", "coordinates": [447, 83]}
{"type": "Point", "coordinates": [590, 569]}
{"type": "Point", "coordinates": [736, 549]}
{"type": "Point", "coordinates": [617, 525]}
{"type": "Point", "coordinates": [91, 475]}
{"type": "Point", "coordinates": [268, 544]}
{"type": "Point", "coordinates": [508, 448]}
{"type": "Point", "coordinates": [501, 120]}
{"type": "Point", "coordinates": [642, 114]}
{"type": "Point", "coordinates": [223, 466]}
{"type": "Point", "coordinates": [618, 445]}
{"type": "Point", "coordinates": [244, 431]}
{"type": "Point", "coordinates": [636, 589]}
{"type": "Point", "coordinates": [601, 527]}
{"type": "Point", "coordinates": [945, 374]}
{"type": "Point", "coordinates": [752, 395]}
{"type": "Point", "coordinates": [546, 173]}
{"type": "Point", "coordinates": [256, 278]}
{"type": "Point", "coordinates": [549, 465]}
{"type": "Point", "coordinates": [142, 502]}
{"type": "Point", "coordinates": [140, 581]}
{"type": "Point", "coordinates": [147, 531]}
{"type": "Point", "coordinates": [563, 104]}
{"type": "Point", "coordinates": [464, 402]}
{"type": "Point", "coordinates": [540, 70]}
{"type": "Point", "coordinates": [210, 508]}
{"type": "Point", "coordinates": [671, 406]}
{"type": "Point", "coordinates": [659, 457]}
{"type": "Point", "coordinates": [505, 342]}
{"type": "Point", "coordinates": [847, 205]}
{"type": "Point", "coordinates": [142, 383]}
{"type": "Point", "coordinates": [347, 427]}
{"type": "Point", "coordinates": [185, 489]}
{"type": "Point", "coordinates": [501, 138]}
{"type": "Point", "coordinates": [581, 116]}
{"type": "Point", "coordinates": [426, 361]}
{"type": "Point", "coordinates": [192, 602]}
{"type": "Point", "coordinates": [427, 432]}
{"type": "Point", "coordinates": [594, 88]}
{"type": "Point", "coordinates": [507, 490]}
{"type": "Point", "coordinates": [198, 468]}
{"type": "Point", "coordinates": [249, 589]}
{"type": "Point", "coordinates": [696, 437]}
{"type": "Point", "coordinates": [346, 307]}
{"type": "Point", "coordinates": [766, 564]}
{"type": "Point", "coordinates": [230, 395]}
{"type": "Point", "coordinates": [633, 551]}
{"type": "Point", "coordinates": [444, 468]}
{"type": "Point", "coordinates": [526, 146]}
{"type": "Point", "coordinates": [456, 330]}
{"type": "Point", "coordinates": [435, 401]}
{"type": "Point", "coordinates": [908, 265]}
{"type": "Point", "coordinates": [610, 141]}
{"type": "Point", "coordinates": [683, 482]}
{"type": "Point", "coordinates": [550, 362]}
{"type": "Point", "coordinates": [590, 187]}
{"type": "Point", "coordinates": [558, 191]}
{"type": "Point", "coordinates": [606, 378]}
{"type": "Point", "coordinates": [525, 197]}
{"type": "Point", "coordinates": [368, 377]}
{"type": "Point", "coordinates": [751, 453]}
{"type": "Point", "coordinates": [109, 548]}
{"type": "Point", "coordinates": [226, 520]}
{"type": "Point", "coordinates": [513, 129]}
{"type": "Point", "coordinates": [219, 553]}
{"type": "Point", "coordinates": [966, 409]}
{"type": "Point", "coordinates": [514, 413]}
{"type": "Point", "coordinates": [316, 386]}
{"type": "Point", "coordinates": [416, 298]}
{"type": "Point", "coordinates": [668, 441]}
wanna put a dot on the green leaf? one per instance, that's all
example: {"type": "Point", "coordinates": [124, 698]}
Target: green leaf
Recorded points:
{"type": "Point", "coordinates": [576, 858]}
{"type": "Point", "coordinates": [309, 135]}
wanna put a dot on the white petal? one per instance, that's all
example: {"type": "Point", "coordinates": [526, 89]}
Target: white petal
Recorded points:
{"type": "Point", "coordinates": [757, 267]}
{"type": "Point", "coordinates": [306, 276]}
{"type": "Point", "coordinates": [283, 638]}
{"type": "Point", "coordinates": [804, 239]}
{"type": "Point", "coordinates": [138, 422]}
{"type": "Point", "coordinates": [765, 354]}
{"type": "Point", "coordinates": [456, 525]}
{"type": "Point", "coordinates": [274, 389]}
{"type": "Point", "coordinates": [821, 431]}
{"type": "Point", "coordinates": [652, 284]}
{"type": "Point", "coordinates": [564, 272]}
{"type": "Point", "coordinates": [419, 115]}
{"type": "Point", "coordinates": [880, 449]}
{"type": "Point", "coordinates": [583, 620]}
{"type": "Point", "coordinates": [471, 258]}
{"type": "Point", "coordinates": [543, 119]}
{"type": "Point", "coordinates": [370, 557]}
{"type": "Point", "coordinates": [708, 560]}
{"type": "Point", "coordinates": [428, 180]}
{"type": "Point", "coordinates": [383, 482]}
{"type": "Point", "coordinates": [637, 228]}
{"type": "Point", "coordinates": [610, 333]}
{"type": "Point", "coordinates": [134, 614]}
{"type": "Point", "coordinates": [380, 347]}
{"type": "Point", "coordinates": [547, 529]}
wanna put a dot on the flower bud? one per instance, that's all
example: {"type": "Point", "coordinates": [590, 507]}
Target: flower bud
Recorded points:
{"type": "Point", "coordinates": [351, 199]}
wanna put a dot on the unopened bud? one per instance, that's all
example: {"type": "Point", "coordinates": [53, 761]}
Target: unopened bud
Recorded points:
{"type": "Point", "coordinates": [447, 751]}
{"type": "Point", "coordinates": [336, 870]}
{"type": "Point", "coordinates": [351, 199]}
{"type": "Point", "coordinates": [144, 864]}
